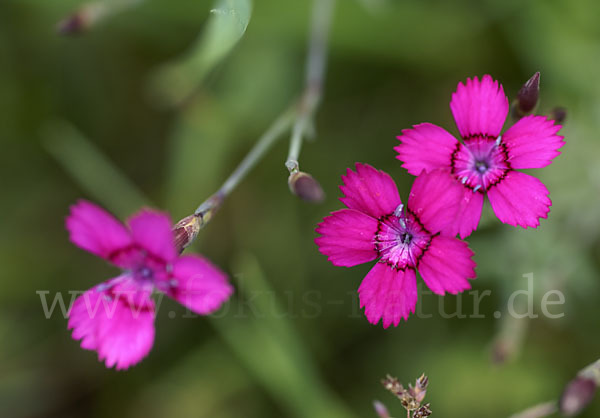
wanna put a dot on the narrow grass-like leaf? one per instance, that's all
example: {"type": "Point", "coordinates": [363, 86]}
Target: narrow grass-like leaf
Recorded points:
{"type": "Point", "coordinates": [266, 342]}
{"type": "Point", "coordinates": [176, 81]}
{"type": "Point", "coordinates": [91, 169]}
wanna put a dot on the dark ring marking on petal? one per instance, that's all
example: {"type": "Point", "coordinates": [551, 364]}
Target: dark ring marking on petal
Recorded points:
{"type": "Point", "coordinates": [499, 179]}
{"type": "Point", "coordinates": [379, 229]}
{"type": "Point", "coordinates": [395, 267]}
{"type": "Point", "coordinates": [417, 220]}
{"type": "Point", "coordinates": [479, 135]}
{"type": "Point", "coordinates": [504, 150]}
{"type": "Point", "coordinates": [112, 256]}
{"type": "Point", "coordinates": [420, 256]}
{"type": "Point", "coordinates": [453, 156]}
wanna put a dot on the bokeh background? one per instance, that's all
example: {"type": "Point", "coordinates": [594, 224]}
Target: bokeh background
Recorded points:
{"type": "Point", "coordinates": [88, 117]}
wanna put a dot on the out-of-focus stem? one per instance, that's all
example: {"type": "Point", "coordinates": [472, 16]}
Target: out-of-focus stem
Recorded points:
{"type": "Point", "coordinates": [576, 396]}
{"type": "Point", "coordinates": [298, 117]}
{"type": "Point", "coordinates": [210, 205]}
{"type": "Point", "coordinates": [538, 411]}
{"type": "Point", "coordinates": [187, 229]}
{"type": "Point", "coordinates": [315, 74]}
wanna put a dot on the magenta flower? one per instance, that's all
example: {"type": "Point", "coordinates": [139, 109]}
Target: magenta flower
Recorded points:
{"type": "Point", "coordinates": [486, 163]}
{"type": "Point", "coordinates": [116, 318]}
{"type": "Point", "coordinates": [405, 239]}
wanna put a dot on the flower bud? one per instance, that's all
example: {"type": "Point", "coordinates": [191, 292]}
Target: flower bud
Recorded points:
{"type": "Point", "coordinates": [577, 395]}
{"type": "Point", "coordinates": [185, 231]}
{"type": "Point", "coordinates": [81, 20]}
{"type": "Point", "coordinates": [558, 114]}
{"type": "Point", "coordinates": [527, 97]}
{"type": "Point", "coordinates": [305, 187]}
{"type": "Point", "coordinates": [381, 410]}
{"type": "Point", "coordinates": [529, 94]}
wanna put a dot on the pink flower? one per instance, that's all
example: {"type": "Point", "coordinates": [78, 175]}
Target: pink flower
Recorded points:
{"type": "Point", "coordinates": [377, 225]}
{"type": "Point", "coordinates": [116, 318]}
{"type": "Point", "coordinates": [486, 163]}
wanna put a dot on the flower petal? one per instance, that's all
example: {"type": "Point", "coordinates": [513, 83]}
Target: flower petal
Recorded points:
{"type": "Point", "coordinates": [435, 199]}
{"type": "Point", "coordinates": [532, 142]}
{"type": "Point", "coordinates": [447, 266]}
{"type": "Point", "coordinates": [95, 230]}
{"type": "Point", "coordinates": [116, 319]}
{"type": "Point", "coordinates": [347, 238]}
{"type": "Point", "coordinates": [469, 213]}
{"type": "Point", "coordinates": [388, 294]}
{"type": "Point", "coordinates": [199, 285]}
{"type": "Point", "coordinates": [425, 147]}
{"type": "Point", "coordinates": [152, 231]}
{"type": "Point", "coordinates": [520, 199]}
{"type": "Point", "coordinates": [479, 108]}
{"type": "Point", "coordinates": [370, 191]}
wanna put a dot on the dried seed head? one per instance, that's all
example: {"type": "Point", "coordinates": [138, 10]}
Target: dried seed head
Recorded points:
{"type": "Point", "coordinates": [306, 187]}
{"type": "Point", "coordinates": [423, 411]}
{"type": "Point", "coordinates": [393, 385]}
{"type": "Point", "coordinates": [420, 389]}
{"type": "Point", "coordinates": [185, 231]}
{"type": "Point", "coordinates": [558, 114]}
{"type": "Point", "coordinates": [577, 395]}
{"type": "Point", "coordinates": [381, 410]}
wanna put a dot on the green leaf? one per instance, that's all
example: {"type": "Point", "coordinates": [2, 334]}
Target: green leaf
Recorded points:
{"type": "Point", "coordinates": [94, 172]}
{"type": "Point", "coordinates": [176, 81]}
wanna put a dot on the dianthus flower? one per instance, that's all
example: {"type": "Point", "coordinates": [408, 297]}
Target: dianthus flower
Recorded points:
{"type": "Point", "coordinates": [116, 317]}
{"type": "Point", "coordinates": [485, 163]}
{"type": "Point", "coordinates": [377, 225]}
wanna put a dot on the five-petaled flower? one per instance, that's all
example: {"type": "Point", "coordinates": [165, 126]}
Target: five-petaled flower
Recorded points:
{"type": "Point", "coordinates": [405, 239]}
{"type": "Point", "coordinates": [485, 163]}
{"type": "Point", "coordinates": [116, 318]}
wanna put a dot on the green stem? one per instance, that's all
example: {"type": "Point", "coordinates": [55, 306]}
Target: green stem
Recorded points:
{"type": "Point", "coordinates": [315, 74]}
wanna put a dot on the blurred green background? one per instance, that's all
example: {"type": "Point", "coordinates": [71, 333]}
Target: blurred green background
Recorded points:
{"type": "Point", "coordinates": [79, 117]}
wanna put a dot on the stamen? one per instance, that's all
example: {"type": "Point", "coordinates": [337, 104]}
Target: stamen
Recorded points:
{"type": "Point", "coordinates": [103, 286]}
{"type": "Point", "coordinates": [464, 179]}
{"type": "Point", "coordinates": [477, 187]}
{"type": "Point", "coordinates": [398, 211]}
{"type": "Point", "coordinates": [498, 140]}
{"type": "Point", "coordinates": [402, 222]}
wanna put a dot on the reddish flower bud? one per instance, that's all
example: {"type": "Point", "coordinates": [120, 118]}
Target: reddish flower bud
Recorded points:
{"type": "Point", "coordinates": [306, 187]}
{"type": "Point", "coordinates": [529, 94]}
{"type": "Point", "coordinates": [577, 395]}
{"type": "Point", "coordinates": [74, 24]}
{"type": "Point", "coordinates": [83, 19]}
{"type": "Point", "coordinates": [558, 114]}
{"type": "Point", "coordinates": [527, 97]}
{"type": "Point", "coordinates": [185, 231]}
{"type": "Point", "coordinates": [381, 410]}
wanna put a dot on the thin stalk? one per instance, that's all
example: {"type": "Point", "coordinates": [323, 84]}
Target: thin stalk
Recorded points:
{"type": "Point", "coordinates": [279, 126]}
{"type": "Point", "coordinates": [186, 230]}
{"type": "Point", "coordinates": [298, 118]}
{"type": "Point", "coordinates": [315, 74]}
{"type": "Point", "coordinates": [538, 411]}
